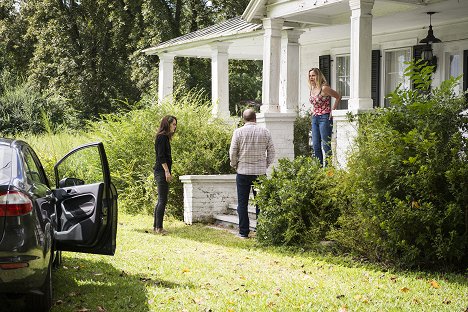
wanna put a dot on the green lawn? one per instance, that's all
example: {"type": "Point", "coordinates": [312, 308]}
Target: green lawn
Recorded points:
{"type": "Point", "coordinates": [199, 268]}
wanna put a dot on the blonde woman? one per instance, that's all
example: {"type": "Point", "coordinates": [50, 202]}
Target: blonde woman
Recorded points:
{"type": "Point", "coordinates": [320, 97]}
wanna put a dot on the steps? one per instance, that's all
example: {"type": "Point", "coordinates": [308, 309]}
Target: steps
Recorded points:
{"type": "Point", "coordinates": [231, 220]}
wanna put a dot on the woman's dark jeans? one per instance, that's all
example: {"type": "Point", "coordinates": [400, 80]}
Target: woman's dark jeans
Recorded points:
{"type": "Point", "coordinates": [244, 184]}
{"type": "Point", "coordinates": [321, 136]}
{"type": "Point", "coordinates": [163, 191]}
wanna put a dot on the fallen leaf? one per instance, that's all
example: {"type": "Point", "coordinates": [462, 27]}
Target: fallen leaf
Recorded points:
{"type": "Point", "coordinates": [434, 284]}
{"type": "Point", "coordinates": [415, 204]}
{"type": "Point", "coordinates": [393, 279]}
{"type": "Point", "coordinates": [185, 270]}
{"type": "Point", "coordinates": [343, 309]}
{"type": "Point", "coordinates": [82, 310]}
{"type": "Point", "coordinates": [404, 289]}
{"type": "Point", "coordinates": [340, 296]}
{"type": "Point", "coordinates": [447, 301]}
{"type": "Point", "coordinates": [101, 309]}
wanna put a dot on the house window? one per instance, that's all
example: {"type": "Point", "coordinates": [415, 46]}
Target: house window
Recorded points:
{"type": "Point", "coordinates": [454, 69]}
{"type": "Point", "coordinates": [343, 79]}
{"type": "Point", "coordinates": [394, 71]}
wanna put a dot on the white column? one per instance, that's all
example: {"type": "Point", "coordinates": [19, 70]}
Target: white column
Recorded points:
{"type": "Point", "coordinates": [220, 80]}
{"type": "Point", "coordinates": [166, 76]}
{"type": "Point", "coordinates": [361, 55]}
{"type": "Point", "coordinates": [360, 99]}
{"type": "Point", "coordinates": [271, 64]}
{"type": "Point", "coordinates": [289, 71]}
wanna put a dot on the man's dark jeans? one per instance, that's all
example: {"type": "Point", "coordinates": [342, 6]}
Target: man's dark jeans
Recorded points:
{"type": "Point", "coordinates": [244, 184]}
{"type": "Point", "coordinates": [163, 191]}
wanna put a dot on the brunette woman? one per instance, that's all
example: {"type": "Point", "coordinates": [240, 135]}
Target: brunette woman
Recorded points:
{"type": "Point", "coordinates": [162, 168]}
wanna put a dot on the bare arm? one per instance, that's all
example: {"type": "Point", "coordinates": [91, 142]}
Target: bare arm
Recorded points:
{"type": "Point", "coordinates": [330, 92]}
{"type": "Point", "coordinates": [167, 172]}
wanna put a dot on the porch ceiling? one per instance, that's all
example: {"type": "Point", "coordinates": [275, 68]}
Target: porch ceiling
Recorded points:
{"type": "Point", "coordinates": [246, 34]}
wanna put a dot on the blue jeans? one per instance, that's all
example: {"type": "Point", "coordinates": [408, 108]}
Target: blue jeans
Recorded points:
{"type": "Point", "coordinates": [321, 136]}
{"type": "Point", "coordinates": [244, 184]}
{"type": "Point", "coordinates": [163, 191]}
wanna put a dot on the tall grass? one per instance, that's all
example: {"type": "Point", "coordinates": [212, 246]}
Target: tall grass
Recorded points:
{"type": "Point", "coordinates": [200, 146]}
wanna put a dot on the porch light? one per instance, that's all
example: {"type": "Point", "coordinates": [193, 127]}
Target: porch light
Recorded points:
{"type": "Point", "coordinates": [427, 54]}
{"type": "Point", "coordinates": [430, 38]}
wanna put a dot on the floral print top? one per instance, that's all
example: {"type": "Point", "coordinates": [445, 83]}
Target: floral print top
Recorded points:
{"type": "Point", "coordinates": [320, 104]}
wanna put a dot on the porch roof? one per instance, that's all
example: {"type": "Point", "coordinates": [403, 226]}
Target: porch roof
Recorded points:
{"type": "Point", "coordinates": [243, 37]}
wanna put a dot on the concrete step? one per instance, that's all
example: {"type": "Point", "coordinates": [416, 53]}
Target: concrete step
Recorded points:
{"type": "Point", "coordinates": [232, 209]}
{"type": "Point", "coordinates": [232, 221]}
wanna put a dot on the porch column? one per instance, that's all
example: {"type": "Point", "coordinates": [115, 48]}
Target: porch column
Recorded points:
{"type": "Point", "coordinates": [220, 80]}
{"type": "Point", "coordinates": [361, 55]}
{"type": "Point", "coordinates": [166, 76]}
{"type": "Point", "coordinates": [271, 64]}
{"type": "Point", "coordinates": [360, 89]}
{"type": "Point", "coordinates": [289, 71]}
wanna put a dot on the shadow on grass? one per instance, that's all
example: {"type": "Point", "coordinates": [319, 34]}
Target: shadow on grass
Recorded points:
{"type": "Point", "coordinates": [82, 284]}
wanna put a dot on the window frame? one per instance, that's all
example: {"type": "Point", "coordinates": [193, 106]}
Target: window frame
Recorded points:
{"type": "Point", "coordinates": [385, 71]}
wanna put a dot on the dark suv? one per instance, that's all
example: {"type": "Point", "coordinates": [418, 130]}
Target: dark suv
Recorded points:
{"type": "Point", "coordinates": [38, 222]}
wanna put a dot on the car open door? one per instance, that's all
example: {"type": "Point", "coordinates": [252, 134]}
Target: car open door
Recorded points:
{"type": "Point", "coordinates": [86, 202]}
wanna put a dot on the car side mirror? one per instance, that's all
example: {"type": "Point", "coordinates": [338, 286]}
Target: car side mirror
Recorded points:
{"type": "Point", "coordinates": [70, 182]}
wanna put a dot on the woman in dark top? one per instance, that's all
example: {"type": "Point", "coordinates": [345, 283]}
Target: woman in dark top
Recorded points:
{"type": "Point", "coordinates": [162, 168]}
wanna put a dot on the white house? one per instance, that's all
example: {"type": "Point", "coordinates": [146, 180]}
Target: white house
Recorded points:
{"type": "Point", "coordinates": [361, 45]}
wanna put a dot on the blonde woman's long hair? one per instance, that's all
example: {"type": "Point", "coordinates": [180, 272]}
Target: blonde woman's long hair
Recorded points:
{"type": "Point", "coordinates": [321, 80]}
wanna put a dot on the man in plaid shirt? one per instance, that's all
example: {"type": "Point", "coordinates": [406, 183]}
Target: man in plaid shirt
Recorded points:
{"type": "Point", "coordinates": [251, 153]}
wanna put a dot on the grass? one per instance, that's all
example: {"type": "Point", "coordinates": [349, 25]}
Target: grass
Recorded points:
{"type": "Point", "coordinates": [199, 268]}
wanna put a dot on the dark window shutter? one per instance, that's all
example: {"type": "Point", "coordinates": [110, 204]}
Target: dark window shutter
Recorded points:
{"type": "Point", "coordinates": [375, 78]}
{"type": "Point", "coordinates": [417, 51]}
{"type": "Point", "coordinates": [465, 72]}
{"type": "Point", "coordinates": [325, 67]}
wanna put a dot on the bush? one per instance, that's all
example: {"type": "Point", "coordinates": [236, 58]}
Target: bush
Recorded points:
{"type": "Point", "coordinates": [302, 128]}
{"type": "Point", "coordinates": [24, 109]}
{"type": "Point", "coordinates": [296, 203]}
{"type": "Point", "coordinates": [405, 198]}
{"type": "Point", "coordinates": [200, 146]}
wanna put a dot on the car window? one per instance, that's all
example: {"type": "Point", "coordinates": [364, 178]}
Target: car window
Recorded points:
{"type": "Point", "coordinates": [33, 173]}
{"type": "Point", "coordinates": [83, 167]}
{"type": "Point", "coordinates": [5, 163]}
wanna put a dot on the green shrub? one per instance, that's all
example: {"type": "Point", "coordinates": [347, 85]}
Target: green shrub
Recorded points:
{"type": "Point", "coordinates": [296, 203]}
{"type": "Point", "coordinates": [23, 109]}
{"type": "Point", "coordinates": [405, 198]}
{"type": "Point", "coordinates": [200, 146]}
{"type": "Point", "coordinates": [302, 128]}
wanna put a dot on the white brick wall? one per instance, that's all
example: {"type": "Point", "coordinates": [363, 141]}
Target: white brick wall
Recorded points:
{"type": "Point", "coordinates": [207, 195]}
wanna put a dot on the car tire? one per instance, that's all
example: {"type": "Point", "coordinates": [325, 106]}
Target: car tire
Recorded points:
{"type": "Point", "coordinates": [42, 303]}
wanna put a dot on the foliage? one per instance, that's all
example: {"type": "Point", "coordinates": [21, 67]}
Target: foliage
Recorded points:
{"type": "Point", "coordinates": [405, 197]}
{"type": "Point", "coordinates": [245, 85]}
{"type": "Point", "coordinates": [23, 109]}
{"type": "Point", "coordinates": [296, 203]}
{"type": "Point", "coordinates": [88, 53]}
{"type": "Point", "coordinates": [200, 146]}
{"type": "Point", "coordinates": [81, 51]}
{"type": "Point", "coordinates": [302, 128]}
